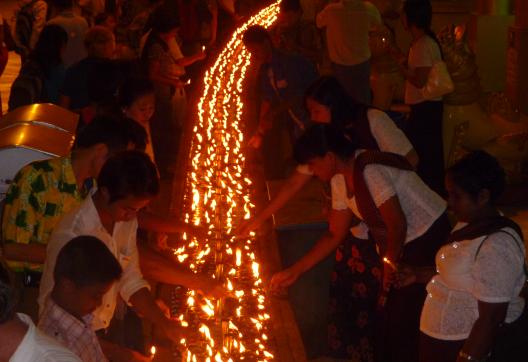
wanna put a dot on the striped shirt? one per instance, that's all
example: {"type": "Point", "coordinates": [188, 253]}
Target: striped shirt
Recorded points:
{"type": "Point", "coordinates": [75, 334]}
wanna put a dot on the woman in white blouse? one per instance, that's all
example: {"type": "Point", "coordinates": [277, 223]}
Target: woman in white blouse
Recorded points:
{"type": "Point", "coordinates": [404, 217]}
{"type": "Point", "coordinates": [424, 126]}
{"type": "Point", "coordinates": [479, 274]}
{"type": "Point", "coordinates": [328, 103]}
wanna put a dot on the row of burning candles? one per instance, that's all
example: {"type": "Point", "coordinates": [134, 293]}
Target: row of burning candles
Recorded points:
{"type": "Point", "coordinates": [218, 195]}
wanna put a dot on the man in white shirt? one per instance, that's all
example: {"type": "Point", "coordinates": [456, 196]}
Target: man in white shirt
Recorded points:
{"type": "Point", "coordinates": [20, 340]}
{"type": "Point", "coordinates": [347, 25]}
{"type": "Point", "coordinates": [126, 184]}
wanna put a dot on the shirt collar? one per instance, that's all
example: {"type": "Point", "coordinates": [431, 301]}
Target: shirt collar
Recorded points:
{"type": "Point", "coordinates": [63, 318]}
{"type": "Point", "coordinates": [89, 214]}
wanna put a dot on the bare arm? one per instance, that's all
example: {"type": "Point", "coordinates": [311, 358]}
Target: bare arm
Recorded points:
{"type": "Point", "coordinates": [291, 187]}
{"type": "Point", "coordinates": [396, 224]}
{"type": "Point", "coordinates": [155, 75]}
{"type": "Point", "coordinates": [339, 223]}
{"type": "Point", "coordinates": [167, 224]}
{"type": "Point", "coordinates": [482, 335]}
{"type": "Point", "coordinates": [185, 61]}
{"type": "Point", "coordinates": [146, 306]}
{"type": "Point", "coordinates": [158, 267]}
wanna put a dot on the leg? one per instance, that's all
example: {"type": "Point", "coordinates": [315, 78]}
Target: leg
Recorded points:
{"type": "Point", "coordinates": [354, 290]}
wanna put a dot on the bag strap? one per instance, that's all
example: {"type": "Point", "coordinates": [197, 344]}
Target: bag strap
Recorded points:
{"type": "Point", "coordinates": [366, 205]}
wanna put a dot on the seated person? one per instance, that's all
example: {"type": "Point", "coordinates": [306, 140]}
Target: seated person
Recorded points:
{"type": "Point", "coordinates": [78, 291]}
{"type": "Point", "coordinates": [21, 340]}
{"type": "Point", "coordinates": [127, 183]}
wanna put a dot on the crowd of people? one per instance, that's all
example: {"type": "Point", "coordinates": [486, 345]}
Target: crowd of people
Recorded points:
{"type": "Point", "coordinates": [406, 285]}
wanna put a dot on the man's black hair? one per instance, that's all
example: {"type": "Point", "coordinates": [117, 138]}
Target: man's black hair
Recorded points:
{"type": "Point", "coordinates": [85, 260]}
{"type": "Point", "coordinates": [129, 173]}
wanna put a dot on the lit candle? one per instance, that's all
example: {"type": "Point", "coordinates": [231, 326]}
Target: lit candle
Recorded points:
{"type": "Point", "coordinates": [203, 48]}
{"type": "Point", "coordinates": [152, 351]}
{"type": "Point", "coordinates": [389, 263]}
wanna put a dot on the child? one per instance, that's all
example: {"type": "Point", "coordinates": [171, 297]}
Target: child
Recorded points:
{"type": "Point", "coordinates": [137, 102]}
{"type": "Point", "coordinates": [78, 291]}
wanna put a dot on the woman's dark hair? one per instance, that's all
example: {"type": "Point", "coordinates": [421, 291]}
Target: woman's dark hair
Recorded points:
{"type": "Point", "coordinates": [479, 171]}
{"type": "Point", "coordinates": [47, 52]}
{"type": "Point", "coordinates": [256, 34]}
{"type": "Point", "coordinates": [129, 173]}
{"type": "Point", "coordinates": [8, 293]}
{"type": "Point", "coordinates": [320, 139]}
{"type": "Point", "coordinates": [420, 14]}
{"type": "Point", "coordinates": [134, 88]}
{"type": "Point", "coordinates": [329, 92]}
{"type": "Point", "coordinates": [77, 259]}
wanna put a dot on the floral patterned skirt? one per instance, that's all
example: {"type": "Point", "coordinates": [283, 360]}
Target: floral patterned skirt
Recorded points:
{"type": "Point", "coordinates": [354, 290]}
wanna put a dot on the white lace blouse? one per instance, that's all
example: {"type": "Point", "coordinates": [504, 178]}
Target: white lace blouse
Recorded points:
{"type": "Point", "coordinates": [420, 205]}
{"type": "Point", "coordinates": [495, 275]}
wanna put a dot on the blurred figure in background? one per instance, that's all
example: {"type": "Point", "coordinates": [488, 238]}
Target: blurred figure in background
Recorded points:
{"type": "Point", "coordinates": [75, 26]}
{"type": "Point", "coordinates": [41, 77]}
{"type": "Point", "coordinates": [293, 34]}
{"type": "Point", "coordinates": [347, 25]}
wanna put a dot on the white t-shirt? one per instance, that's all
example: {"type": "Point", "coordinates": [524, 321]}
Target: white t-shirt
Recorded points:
{"type": "Point", "coordinates": [424, 52]}
{"type": "Point", "coordinates": [388, 137]}
{"type": "Point", "coordinates": [347, 24]}
{"type": "Point", "coordinates": [122, 243]}
{"type": "Point", "coordinates": [495, 276]}
{"type": "Point", "coordinates": [420, 205]}
{"type": "Point", "coordinates": [38, 347]}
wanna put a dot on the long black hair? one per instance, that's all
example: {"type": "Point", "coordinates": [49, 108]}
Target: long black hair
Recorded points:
{"type": "Point", "coordinates": [329, 92]}
{"type": "Point", "coordinates": [345, 111]}
{"type": "Point", "coordinates": [420, 14]}
{"type": "Point", "coordinates": [48, 49]}
{"type": "Point", "coordinates": [320, 139]}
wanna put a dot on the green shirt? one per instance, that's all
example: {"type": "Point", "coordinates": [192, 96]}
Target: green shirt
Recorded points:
{"type": "Point", "coordinates": [41, 193]}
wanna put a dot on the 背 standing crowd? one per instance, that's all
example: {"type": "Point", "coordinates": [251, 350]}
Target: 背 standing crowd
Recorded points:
{"type": "Point", "coordinates": [413, 279]}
